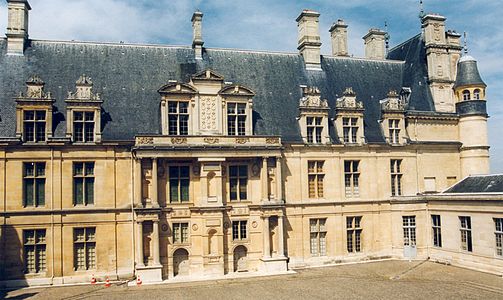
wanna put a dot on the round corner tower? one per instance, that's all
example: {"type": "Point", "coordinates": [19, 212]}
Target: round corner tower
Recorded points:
{"type": "Point", "coordinates": [470, 91]}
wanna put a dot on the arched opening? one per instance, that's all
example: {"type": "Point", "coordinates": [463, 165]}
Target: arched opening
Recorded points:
{"type": "Point", "coordinates": [212, 242]}
{"type": "Point", "coordinates": [476, 94]}
{"type": "Point", "coordinates": [240, 259]}
{"type": "Point", "coordinates": [466, 95]}
{"type": "Point", "coordinates": [180, 262]}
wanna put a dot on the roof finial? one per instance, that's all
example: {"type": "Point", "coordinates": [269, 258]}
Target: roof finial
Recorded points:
{"type": "Point", "coordinates": [386, 36]}
{"type": "Point", "coordinates": [421, 11]}
{"type": "Point", "coordinates": [465, 42]}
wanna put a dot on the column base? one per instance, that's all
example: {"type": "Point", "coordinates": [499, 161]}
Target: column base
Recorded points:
{"type": "Point", "coordinates": [274, 264]}
{"type": "Point", "coordinates": [149, 273]}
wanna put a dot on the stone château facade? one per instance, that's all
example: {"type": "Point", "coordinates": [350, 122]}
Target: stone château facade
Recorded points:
{"type": "Point", "coordinates": [190, 162]}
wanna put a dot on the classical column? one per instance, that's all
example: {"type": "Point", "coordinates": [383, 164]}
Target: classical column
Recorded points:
{"type": "Point", "coordinates": [267, 238]}
{"type": "Point", "coordinates": [279, 180]}
{"type": "Point", "coordinates": [139, 244]}
{"type": "Point", "coordinates": [264, 179]}
{"type": "Point", "coordinates": [155, 192]}
{"type": "Point", "coordinates": [155, 241]}
{"type": "Point", "coordinates": [281, 241]}
{"type": "Point", "coordinates": [137, 182]}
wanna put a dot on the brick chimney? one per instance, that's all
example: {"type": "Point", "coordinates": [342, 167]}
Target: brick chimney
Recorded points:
{"type": "Point", "coordinates": [197, 39]}
{"type": "Point", "coordinates": [375, 43]}
{"type": "Point", "coordinates": [17, 26]}
{"type": "Point", "coordinates": [339, 36]}
{"type": "Point", "coordinates": [309, 43]}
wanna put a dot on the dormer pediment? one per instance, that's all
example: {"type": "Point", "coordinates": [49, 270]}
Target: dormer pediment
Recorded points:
{"type": "Point", "coordinates": [208, 75]}
{"type": "Point", "coordinates": [84, 94]}
{"type": "Point", "coordinates": [236, 90]}
{"type": "Point", "coordinates": [348, 102]}
{"type": "Point", "coordinates": [393, 103]}
{"type": "Point", "coordinates": [311, 99]}
{"type": "Point", "coordinates": [35, 93]}
{"type": "Point", "coordinates": [177, 88]}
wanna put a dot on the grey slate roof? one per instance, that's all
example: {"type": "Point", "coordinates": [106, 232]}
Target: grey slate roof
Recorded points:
{"type": "Point", "coordinates": [478, 184]}
{"type": "Point", "coordinates": [468, 73]}
{"type": "Point", "coordinates": [128, 77]}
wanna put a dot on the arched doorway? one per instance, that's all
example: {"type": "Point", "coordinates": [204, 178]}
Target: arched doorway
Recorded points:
{"type": "Point", "coordinates": [240, 259]}
{"type": "Point", "coordinates": [180, 262]}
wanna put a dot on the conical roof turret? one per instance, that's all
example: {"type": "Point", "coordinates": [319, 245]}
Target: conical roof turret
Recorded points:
{"type": "Point", "coordinates": [468, 72]}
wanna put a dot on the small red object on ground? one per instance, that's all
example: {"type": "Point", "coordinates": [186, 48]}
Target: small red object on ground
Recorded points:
{"type": "Point", "coordinates": [93, 280]}
{"type": "Point", "coordinates": [138, 280]}
{"type": "Point", "coordinates": [107, 282]}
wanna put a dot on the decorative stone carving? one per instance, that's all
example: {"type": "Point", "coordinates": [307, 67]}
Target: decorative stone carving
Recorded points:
{"type": "Point", "coordinates": [272, 140]}
{"type": "Point", "coordinates": [195, 227]}
{"type": "Point", "coordinates": [255, 170]}
{"type": "Point", "coordinates": [254, 224]}
{"type": "Point", "coordinates": [144, 140]}
{"type": "Point", "coordinates": [35, 89]}
{"type": "Point", "coordinates": [348, 100]}
{"type": "Point", "coordinates": [208, 113]}
{"type": "Point", "coordinates": [312, 98]}
{"type": "Point", "coordinates": [211, 140]}
{"type": "Point", "coordinates": [393, 102]}
{"type": "Point", "coordinates": [178, 140]}
{"type": "Point", "coordinates": [241, 140]}
{"type": "Point", "coordinates": [84, 90]}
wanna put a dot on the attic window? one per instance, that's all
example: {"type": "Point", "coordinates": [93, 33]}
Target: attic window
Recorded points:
{"type": "Point", "coordinates": [476, 94]}
{"type": "Point", "coordinates": [466, 95]}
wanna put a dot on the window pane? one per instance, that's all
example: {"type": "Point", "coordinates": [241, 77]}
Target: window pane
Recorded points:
{"type": "Point", "coordinates": [28, 192]}
{"type": "Point", "coordinates": [78, 169]}
{"type": "Point", "coordinates": [184, 190]}
{"type": "Point", "coordinates": [78, 190]}
{"type": "Point", "coordinates": [89, 191]}
{"type": "Point", "coordinates": [173, 190]}
{"type": "Point", "coordinates": [89, 169]}
{"type": "Point", "coordinates": [29, 115]}
{"type": "Point", "coordinates": [78, 116]}
{"type": "Point", "coordinates": [40, 115]}
{"type": "Point", "coordinates": [89, 116]}
{"type": "Point", "coordinates": [40, 192]}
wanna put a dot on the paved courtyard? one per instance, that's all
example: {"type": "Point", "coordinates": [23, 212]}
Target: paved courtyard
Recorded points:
{"type": "Point", "coordinates": [377, 280]}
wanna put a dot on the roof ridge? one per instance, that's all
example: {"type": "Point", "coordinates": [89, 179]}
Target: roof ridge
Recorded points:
{"type": "Point", "coordinates": [405, 42]}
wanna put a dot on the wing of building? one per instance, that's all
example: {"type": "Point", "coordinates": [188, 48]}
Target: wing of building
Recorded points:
{"type": "Point", "coordinates": [166, 162]}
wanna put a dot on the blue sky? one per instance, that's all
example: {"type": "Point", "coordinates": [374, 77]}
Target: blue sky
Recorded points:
{"type": "Point", "coordinates": [270, 25]}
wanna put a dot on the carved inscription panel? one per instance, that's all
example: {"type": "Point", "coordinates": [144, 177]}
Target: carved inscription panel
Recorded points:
{"type": "Point", "coordinates": [209, 113]}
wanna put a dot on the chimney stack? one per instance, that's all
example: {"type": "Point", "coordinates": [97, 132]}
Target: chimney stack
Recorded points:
{"type": "Point", "coordinates": [309, 38]}
{"type": "Point", "coordinates": [17, 27]}
{"type": "Point", "coordinates": [375, 42]}
{"type": "Point", "coordinates": [197, 39]}
{"type": "Point", "coordinates": [339, 35]}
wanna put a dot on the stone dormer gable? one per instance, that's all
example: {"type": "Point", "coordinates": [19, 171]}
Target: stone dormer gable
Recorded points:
{"type": "Point", "coordinates": [393, 103]}
{"type": "Point", "coordinates": [34, 92]}
{"type": "Point", "coordinates": [311, 99]}
{"type": "Point", "coordinates": [84, 93]}
{"type": "Point", "coordinates": [175, 87]}
{"type": "Point", "coordinates": [208, 75]}
{"type": "Point", "coordinates": [236, 90]}
{"type": "Point", "coordinates": [348, 101]}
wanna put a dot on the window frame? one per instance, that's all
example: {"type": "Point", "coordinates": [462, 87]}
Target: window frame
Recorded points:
{"type": "Point", "coordinates": [394, 131]}
{"type": "Point", "coordinates": [409, 230]}
{"type": "Point", "coordinates": [436, 228]}
{"type": "Point", "coordinates": [39, 250]}
{"type": "Point", "coordinates": [314, 129]}
{"type": "Point", "coordinates": [87, 179]}
{"type": "Point", "coordinates": [498, 234]}
{"type": "Point", "coordinates": [178, 239]}
{"type": "Point", "coordinates": [178, 114]}
{"type": "Point", "coordinates": [179, 184]}
{"type": "Point", "coordinates": [239, 230]}
{"type": "Point", "coordinates": [240, 120]}
{"type": "Point", "coordinates": [85, 124]}
{"type": "Point", "coordinates": [316, 174]}
{"type": "Point", "coordinates": [354, 234]}
{"type": "Point", "coordinates": [396, 177]}
{"type": "Point", "coordinates": [36, 180]}
{"type": "Point", "coordinates": [90, 263]}
{"type": "Point", "coordinates": [238, 177]}
{"type": "Point", "coordinates": [465, 228]}
{"type": "Point", "coordinates": [39, 126]}
{"type": "Point", "coordinates": [352, 179]}
{"type": "Point", "coordinates": [318, 237]}
{"type": "Point", "coordinates": [466, 95]}
{"type": "Point", "coordinates": [350, 128]}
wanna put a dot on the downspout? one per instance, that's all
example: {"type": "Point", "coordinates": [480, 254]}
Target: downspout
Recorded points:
{"type": "Point", "coordinates": [133, 242]}
{"type": "Point", "coordinates": [52, 215]}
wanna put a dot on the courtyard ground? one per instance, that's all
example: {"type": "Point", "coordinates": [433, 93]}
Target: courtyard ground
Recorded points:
{"type": "Point", "coordinates": [377, 280]}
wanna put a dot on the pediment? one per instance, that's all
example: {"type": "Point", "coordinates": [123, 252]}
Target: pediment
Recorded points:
{"type": "Point", "coordinates": [177, 88]}
{"type": "Point", "coordinates": [208, 75]}
{"type": "Point", "coordinates": [236, 90]}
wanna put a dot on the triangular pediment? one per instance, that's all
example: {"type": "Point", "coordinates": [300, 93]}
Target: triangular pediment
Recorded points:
{"type": "Point", "coordinates": [236, 90]}
{"type": "Point", "coordinates": [208, 75]}
{"type": "Point", "coordinates": [177, 88]}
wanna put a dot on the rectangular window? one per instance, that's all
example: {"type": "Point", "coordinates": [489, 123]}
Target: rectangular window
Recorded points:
{"type": "Point", "coordinates": [466, 233]}
{"type": "Point", "coordinates": [34, 245]}
{"type": "Point", "coordinates": [83, 126]}
{"type": "Point", "coordinates": [180, 233]}
{"type": "Point", "coordinates": [84, 248]}
{"type": "Point", "coordinates": [239, 231]}
{"type": "Point", "coordinates": [351, 178]}
{"type": "Point", "coordinates": [179, 180]}
{"type": "Point", "coordinates": [236, 118]}
{"type": "Point", "coordinates": [315, 178]}
{"type": "Point", "coordinates": [498, 223]}
{"type": "Point", "coordinates": [350, 130]}
{"type": "Point", "coordinates": [83, 183]}
{"type": "Point", "coordinates": [409, 230]}
{"type": "Point", "coordinates": [318, 234]}
{"type": "Point", "coordinates": [34, 122]}
{"type": "Point", "coordinates": [354, 233]}
{"type": "Point", "coordinates": [314, 129]}
{"type": "Point", "coordinates": [437, 230]}
{"type": "Point", "coordinates": [178, 118]}
{"type": "Point", "coordinates": [34, 184]}
{"type": "Point", "coordinates": [396, 177]}
{"type": "Point", "coordinates": [238, 181]}
{"type": "Point", "coordinates": [394, 131]}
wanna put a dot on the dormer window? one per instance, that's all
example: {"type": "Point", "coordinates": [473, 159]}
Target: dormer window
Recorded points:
{"type": "Point", "coordinates": [349, 119]}
{"type": "Point", "coordinates": [178, 117]}
{"type": "Point", "coordinates": [466, 95]}
{"type": "Point", "coordinates": [393, 119]}
{"type": "Point", "coordinates": [84, 113]}
{"type": "Point", "coordinates": [313, 119]}
{"type": "Point", "coordinates": [238, 103]}
{"type": "Point", "coordinates": [34, 112]}
{"type": "Point", "coordinates": [236, 118]}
